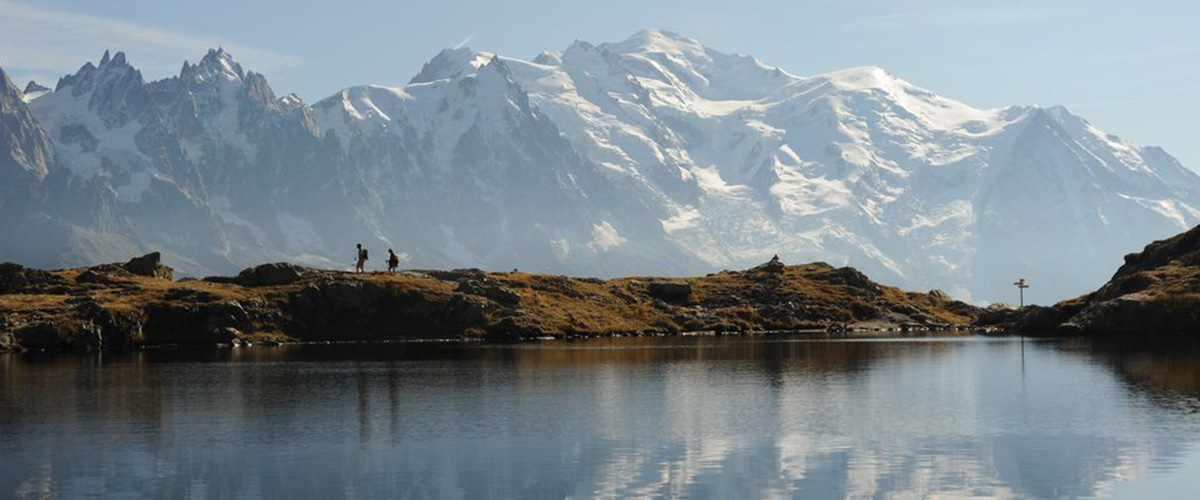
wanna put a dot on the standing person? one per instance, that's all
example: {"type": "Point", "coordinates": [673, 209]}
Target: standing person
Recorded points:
{"type": "Point", "coordinates": [393, 261]}
{"type": "Point", "coordinates": [360, 265]}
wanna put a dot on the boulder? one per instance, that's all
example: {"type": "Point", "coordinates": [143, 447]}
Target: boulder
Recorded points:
{"type": "Point", "coordinates": [274, 274]}
{"type": "Point", "coordinates": [149, 265]}
{"type": "Point", "coordinates": [775, 265]}
{"type": "Point", "coordinates": [670, 290]}
{"type": "Point", "coordinates": [8, 342]}
{"type": "Point", "coordinates": [939, 295]}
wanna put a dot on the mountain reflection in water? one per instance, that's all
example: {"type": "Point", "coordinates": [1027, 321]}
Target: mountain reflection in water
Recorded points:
{"type": "Point", "coordinates": [697, 417]}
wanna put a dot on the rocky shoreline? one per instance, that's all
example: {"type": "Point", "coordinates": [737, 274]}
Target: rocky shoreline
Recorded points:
{"type": "Point", "coordinates": [137, 304]}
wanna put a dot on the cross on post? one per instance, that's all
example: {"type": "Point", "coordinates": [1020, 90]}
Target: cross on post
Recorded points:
{"type": "Point", "coordinates": [1021, 285]}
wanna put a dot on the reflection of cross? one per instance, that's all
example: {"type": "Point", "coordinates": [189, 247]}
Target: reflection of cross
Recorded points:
{"type": "Point", "coordinates": [1021, 285]}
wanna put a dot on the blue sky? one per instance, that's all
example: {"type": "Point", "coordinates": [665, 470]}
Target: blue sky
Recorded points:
{"type": "Point", "coordinates": [1131, 68]}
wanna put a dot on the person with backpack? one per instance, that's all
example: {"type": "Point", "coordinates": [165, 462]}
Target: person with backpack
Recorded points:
{"type": "Point", "coordinates": [360, 266]}
{"type": "Point", "coordinates": [393, 261]}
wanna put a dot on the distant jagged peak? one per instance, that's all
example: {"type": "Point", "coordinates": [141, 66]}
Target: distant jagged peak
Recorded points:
{"type": "Point", "coordinates": [34, 90]}
{"type": "Point", "coordinates": [216, 65]}
{"type": "Point", "coordinates": [451, 64]}
{"type": "Point", "coordinates": [291, 101]}
{"type": "Point", "coordinates": [112, 68]}
{"type": "Point", "coordinates": [117, 59]}
{"type": "Point", "coordinates": [33, 87]}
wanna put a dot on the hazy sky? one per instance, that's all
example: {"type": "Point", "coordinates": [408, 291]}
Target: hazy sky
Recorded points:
{"type": "Point", "coordinates": [1131, 68]}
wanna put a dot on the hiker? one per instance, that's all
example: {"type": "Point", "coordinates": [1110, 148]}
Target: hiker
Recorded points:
{"type": "Point", "coordinates": [393, 261]}
{"type": "Point", "coordinates": [359, 266]}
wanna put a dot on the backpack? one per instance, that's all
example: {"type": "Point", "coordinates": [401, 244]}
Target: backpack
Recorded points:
{"type": "Point", "coordinates": [364, 256]}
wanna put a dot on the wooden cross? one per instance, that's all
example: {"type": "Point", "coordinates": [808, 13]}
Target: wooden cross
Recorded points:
{"type": "Point", "coordinates": [1021, 285]}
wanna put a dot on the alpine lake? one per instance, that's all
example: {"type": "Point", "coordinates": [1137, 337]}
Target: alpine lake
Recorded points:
{"type": "Point", "coordinates": [739, 417]}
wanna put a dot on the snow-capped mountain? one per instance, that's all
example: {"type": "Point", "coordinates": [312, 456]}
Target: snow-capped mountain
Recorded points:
{"type": "Point", "coordinates": [652, 155]}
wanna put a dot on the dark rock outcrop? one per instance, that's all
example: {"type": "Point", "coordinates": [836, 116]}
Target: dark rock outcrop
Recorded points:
{"type": "Point", "coordinates": [15, 278]}
{"type": "Point", "coordinates": [275, 274]}
{"type": "Point", "coordinates": [149, 265]}
{"type": "Point", "coordinates": [1156, 291]}
{"type": "Point", "coordinates": [670, 290]}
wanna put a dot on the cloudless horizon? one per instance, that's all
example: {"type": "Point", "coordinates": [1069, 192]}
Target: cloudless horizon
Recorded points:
{"type": "Point", "coordinates": [1127, 68]}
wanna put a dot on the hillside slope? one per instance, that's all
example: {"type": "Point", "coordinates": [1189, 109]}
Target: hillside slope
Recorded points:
{"type": "Point", "coordinates": [1156, 291]}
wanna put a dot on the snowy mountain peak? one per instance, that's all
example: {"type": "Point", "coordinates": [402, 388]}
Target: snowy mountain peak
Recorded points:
{"type": "Point", "coordinates": [452, 63]}
{"type": "Point", "coordinates": [549, 59]}
{"type": "Point", "coordinates": [689, 67]}
{"type": "Point", "coordinates": [864, 78]}
{"type": "Point", "coordinates": [658, 40]}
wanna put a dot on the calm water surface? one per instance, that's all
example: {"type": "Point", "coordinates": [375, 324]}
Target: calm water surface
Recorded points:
{"type": "Point", "coordinates": [685, 417]}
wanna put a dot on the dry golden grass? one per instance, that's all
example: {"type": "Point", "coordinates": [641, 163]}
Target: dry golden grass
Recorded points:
{"type": "Point", "coordinates": [28, 303]}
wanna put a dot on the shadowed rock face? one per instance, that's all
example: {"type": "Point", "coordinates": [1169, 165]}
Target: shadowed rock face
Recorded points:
{"type": "Point", "coordinates": [135, 304]}
{"type": "Point", "coordinates": [25, 149]}
{"type": "Point", "coordinates": [1156, 291]}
